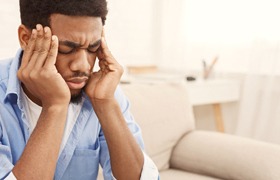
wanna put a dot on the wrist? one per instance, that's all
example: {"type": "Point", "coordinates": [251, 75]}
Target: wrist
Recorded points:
{"type": "Point", "coordinates": [55, 104]}
{"type": "Point", "coordinates": [54, 108]}
{"type": "Point", "coordinates": [101, 105]}
{"type": "Point", "coordinates": [55, 114]}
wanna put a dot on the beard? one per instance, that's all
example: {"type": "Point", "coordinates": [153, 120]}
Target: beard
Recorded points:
{"type": "Point", "coordinates": [77, 98]}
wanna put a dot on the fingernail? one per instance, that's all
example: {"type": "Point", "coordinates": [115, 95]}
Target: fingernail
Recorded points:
{"type": "Point", "coordinates": [38, 27]}
{"type": "Point", "coordinates": [103, 39]}
{"type": "Point", "coordinates": [45, 29]}
{"type": "Point", "coordinates": [53, 37]}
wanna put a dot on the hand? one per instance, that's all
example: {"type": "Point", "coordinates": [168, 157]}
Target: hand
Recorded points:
{"type": "Point", "coordinates": [38, 72]}
{"type": "Point", "coordinates": [102, 84]}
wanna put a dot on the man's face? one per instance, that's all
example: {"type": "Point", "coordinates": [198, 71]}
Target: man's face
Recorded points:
{"type": "Point", "coordinates": [79, 39]}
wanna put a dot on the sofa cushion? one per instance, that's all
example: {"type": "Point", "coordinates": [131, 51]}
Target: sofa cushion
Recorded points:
{"type": "Point", "coordinates": [164, 115]}
{"type": "Point", "coordinates": [226, 156]}
{"type": "Point", "coordinates": [182, 175]}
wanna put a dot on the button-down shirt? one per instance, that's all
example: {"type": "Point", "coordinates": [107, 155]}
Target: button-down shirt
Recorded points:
{"type": "Point", "coordinates": [86, 146]}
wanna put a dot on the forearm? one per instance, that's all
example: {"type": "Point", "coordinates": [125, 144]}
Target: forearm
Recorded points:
{"type": "Point", "coordinates": [125, 154]}
{"type": "Point", "coordinates": [39, 158]}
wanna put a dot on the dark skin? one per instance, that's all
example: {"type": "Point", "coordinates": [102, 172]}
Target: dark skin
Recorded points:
{"type": "Point", "coordinates": [57, 63]}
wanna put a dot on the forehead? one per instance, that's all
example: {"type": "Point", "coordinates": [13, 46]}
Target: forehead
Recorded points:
{"type": "Point", "coordinates": [80, 29]}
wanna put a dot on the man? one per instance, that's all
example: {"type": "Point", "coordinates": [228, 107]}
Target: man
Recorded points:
{"type": "Point", "coordinates": [58, 119]}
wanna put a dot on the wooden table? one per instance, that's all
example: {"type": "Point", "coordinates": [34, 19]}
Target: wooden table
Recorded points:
{"type": "Point", "coordinates": [215, 92]}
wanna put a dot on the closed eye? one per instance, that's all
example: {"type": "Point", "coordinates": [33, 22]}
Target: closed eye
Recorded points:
{"type": "Point", "coordinates": [92, 49]}
{"type": "Point", "coordinates": [66, 51]}
{"type": "Point", "coordinates": [68, 47]}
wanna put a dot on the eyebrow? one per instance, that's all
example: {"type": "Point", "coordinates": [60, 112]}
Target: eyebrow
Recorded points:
{"type": "Point", "coordinates": [97, 43]}
{"type": "Point", "coordinates": [77, 45]}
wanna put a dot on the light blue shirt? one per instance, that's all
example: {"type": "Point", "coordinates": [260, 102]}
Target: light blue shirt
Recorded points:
{"type": "Point", "coordinates": [86, 146]}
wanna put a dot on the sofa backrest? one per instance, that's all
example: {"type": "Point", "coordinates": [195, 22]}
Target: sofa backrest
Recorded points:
{"type": "Point", "coordinates": [164, 114]}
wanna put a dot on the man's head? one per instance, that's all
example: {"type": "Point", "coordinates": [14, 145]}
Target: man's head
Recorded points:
{"type": "Point", "coordinates": [34, 12]}
{"type": "Point", "coordinates": [78, 25]}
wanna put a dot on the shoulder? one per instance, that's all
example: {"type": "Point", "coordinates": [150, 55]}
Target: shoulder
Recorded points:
{"type": "Point", "coordinates": [121, 98]}
{"type": "Point", "coordinates": [4, 75]}
{"type": "Point", "coordinates": [5, 66]}
{"type": "Point", "coordinates": [10, 64]}
{"type": "Point", "coordinates": [119, 93]}
{"type": "Point", "coordinates": [1, 122]}
{"type": "Point", "coordinates": [0, 126]}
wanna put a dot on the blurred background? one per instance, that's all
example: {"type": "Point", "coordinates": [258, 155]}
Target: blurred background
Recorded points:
{"type": "Point", "coordinates": [236, 43]}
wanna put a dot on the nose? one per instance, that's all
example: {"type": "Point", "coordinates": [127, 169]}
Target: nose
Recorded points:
{"type": "Point", "coordinates": [81, 61]}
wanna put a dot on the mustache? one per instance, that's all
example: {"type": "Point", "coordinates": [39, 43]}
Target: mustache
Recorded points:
{"type": "Point", "coordinates": [78, 74]}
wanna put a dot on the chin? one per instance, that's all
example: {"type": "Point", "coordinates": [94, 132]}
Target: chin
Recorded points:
{"type": "Point", "coordinates": [76, 96]}
{"type": "Point", "coordinates": [75, 92]}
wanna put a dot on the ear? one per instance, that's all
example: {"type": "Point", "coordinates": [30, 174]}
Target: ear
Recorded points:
{"type": "Point", "coordinates": [24, 34]}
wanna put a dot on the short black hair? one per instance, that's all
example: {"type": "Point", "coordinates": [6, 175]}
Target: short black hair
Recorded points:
{"type": "Point", "coordinates": [34, 12]}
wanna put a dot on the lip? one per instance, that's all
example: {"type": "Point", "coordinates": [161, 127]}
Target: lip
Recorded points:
{"type": "Point", "coordinates": [77, 83]}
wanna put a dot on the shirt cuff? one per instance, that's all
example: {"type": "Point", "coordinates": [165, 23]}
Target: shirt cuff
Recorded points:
{"type": "Point", "coordinates": [149, 170]}
{"type": "Point", "coordinates": [11, 176]}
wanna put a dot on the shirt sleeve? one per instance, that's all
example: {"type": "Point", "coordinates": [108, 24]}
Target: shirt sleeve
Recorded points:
{"type": "Point", "coordinates": [11, 176]}
{"type": "Point", "coordinates": [6, 165]}
{"type": "Point", "coordinates": [149, 170]}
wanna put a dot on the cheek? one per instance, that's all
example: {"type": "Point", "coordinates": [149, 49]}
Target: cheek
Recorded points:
{"type": "Point", "coordinates": [61, 66]}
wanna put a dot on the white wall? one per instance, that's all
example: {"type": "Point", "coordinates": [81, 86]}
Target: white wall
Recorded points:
{"type": "Point", "coordinates": [9, 20]}
{"type": "Point", "coordinates": [175, 34]}
{"type": "Point", "coordinates": [230, 29]}
{"type": "Point", "coordinates": [130, 31]}
{"type": "Point", "coordinates": [180, 34]}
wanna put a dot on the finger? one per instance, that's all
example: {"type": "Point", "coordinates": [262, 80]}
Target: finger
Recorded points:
{"type": "Point", "coordinates": [113, 67]}
{"type": "Point", "coordinates": [44, 47]}
{"type": "Point", "coordinates": [102, 65]}
{"type": "Point", "coordinates": [37, 49]}
{"type": "Point", "coordinates": [28, 51]}
{"type": "Point", "coordinates": [107, 67]}
{"type": "Point", "coordinates": [100, 54]}
{"type": "Point", "coordinates": [104, 45]}
{"type": "Point", "coordinates": [103, 32]}
{"type": "Point", "coordinates": [105, 53]}
{"type": "Point", "coordinates": [52, 55]}
{"type": "Point", "coordinates": [94, 78]}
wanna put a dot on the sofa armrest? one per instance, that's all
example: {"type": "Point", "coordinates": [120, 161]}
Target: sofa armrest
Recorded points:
{"type": "Point", "coordinates": [226, 156]}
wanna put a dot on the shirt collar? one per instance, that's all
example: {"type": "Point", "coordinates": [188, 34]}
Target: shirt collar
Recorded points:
{"type": "Point", "coordinates": [13, 86]}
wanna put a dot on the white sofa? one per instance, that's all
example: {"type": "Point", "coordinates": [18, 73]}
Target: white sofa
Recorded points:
{"type": "Point", "coordinates": [183, 153]}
